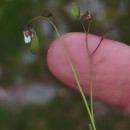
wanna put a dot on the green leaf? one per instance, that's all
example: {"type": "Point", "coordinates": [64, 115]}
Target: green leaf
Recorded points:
{"type": "Point", "coordinates": [35, 45]}
{"type": "Point", "coordinates": [75, 11]}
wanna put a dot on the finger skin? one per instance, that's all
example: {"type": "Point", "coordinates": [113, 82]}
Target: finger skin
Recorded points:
{"type": "Point", "coordinates": [111, 67]}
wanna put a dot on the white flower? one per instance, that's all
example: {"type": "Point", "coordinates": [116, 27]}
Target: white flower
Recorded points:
{"type": "Point", "coordinates": [27, 36]}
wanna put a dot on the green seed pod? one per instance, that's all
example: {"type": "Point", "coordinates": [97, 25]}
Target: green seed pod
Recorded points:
{"type": "Point", "coordinates": [75, 11]}
{"type": "Point", "coordinates": [35, 45]}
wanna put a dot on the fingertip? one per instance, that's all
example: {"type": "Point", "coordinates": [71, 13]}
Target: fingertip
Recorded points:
{"type": "Point", "coordinates": [110, 66]}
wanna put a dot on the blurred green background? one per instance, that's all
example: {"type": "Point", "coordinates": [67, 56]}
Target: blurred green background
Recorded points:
{"type": "Point", "coordinates": [30, 97]}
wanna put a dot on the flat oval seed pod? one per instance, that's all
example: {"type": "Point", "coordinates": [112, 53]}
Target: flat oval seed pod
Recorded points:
{"type": "Point", "coordinates": [75, 11]}
{"type": "Point", "coordinates": [35, 45]}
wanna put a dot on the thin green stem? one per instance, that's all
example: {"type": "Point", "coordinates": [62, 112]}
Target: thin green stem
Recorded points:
{"type": "Point", "coordinates": [90, 67]}
{"type": "Point", "coordinates": [90, 126]}
{"type": "Point", "coordinates": [71, 66]}
{"type": "Point", "coordinates": [76, 78]}
{"type": "Point", "coordinates": [91, 71]}
{"type": "Point", "coordinates": [91, 86]}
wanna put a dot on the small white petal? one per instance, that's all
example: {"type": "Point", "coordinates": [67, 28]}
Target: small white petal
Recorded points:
{"type": "Point", "coordinates": [27, 39]}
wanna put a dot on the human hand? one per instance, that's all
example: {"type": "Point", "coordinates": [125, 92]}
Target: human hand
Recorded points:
{"type": "Point", "coordinates": [111, 64]}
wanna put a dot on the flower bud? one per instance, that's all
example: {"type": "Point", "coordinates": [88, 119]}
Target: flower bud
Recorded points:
{"type": "Point", "coordinates": [75, 11]}
{"type": "Point", "coordinates": [86, 16]}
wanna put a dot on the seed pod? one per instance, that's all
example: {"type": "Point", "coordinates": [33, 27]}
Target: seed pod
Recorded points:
{"type": "Point", "coordinates": [75, 11]}
{"type": "Point", "coordinates": [86, 16]}
{"type": "Point", "coordinates": [35, 45]}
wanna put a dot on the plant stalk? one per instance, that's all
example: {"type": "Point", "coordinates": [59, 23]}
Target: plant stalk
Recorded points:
{"type": "Point", "coordinates": [71, 66]}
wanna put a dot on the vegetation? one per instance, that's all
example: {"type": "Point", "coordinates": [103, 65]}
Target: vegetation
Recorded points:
{"type": "Point", "coordinates": [14, 15]}
{"type": "Point", "coordinates": [62, 113]}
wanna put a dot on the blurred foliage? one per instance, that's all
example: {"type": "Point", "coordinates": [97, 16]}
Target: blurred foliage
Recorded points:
{"type": "Point", "coordinates": [18, 65]}
{"type": "Point", "coordinates": [66, 113]}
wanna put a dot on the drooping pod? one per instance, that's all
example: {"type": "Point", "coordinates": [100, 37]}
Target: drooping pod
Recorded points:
{"type": "Point", "coordinates": [75, 10]}
{"type": "Point", "coordinates": [35, 45]}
